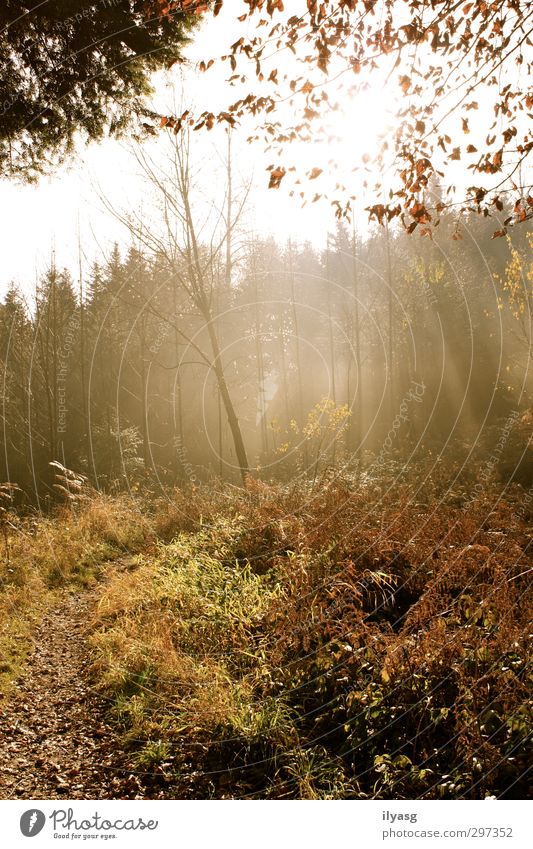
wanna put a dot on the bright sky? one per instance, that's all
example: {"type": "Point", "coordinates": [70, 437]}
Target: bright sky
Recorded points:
{"type": "Point", "coordinates": [41, 218]}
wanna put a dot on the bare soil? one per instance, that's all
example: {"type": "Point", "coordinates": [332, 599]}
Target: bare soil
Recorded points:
{"type": "Point", "coordinates": [56, 740]}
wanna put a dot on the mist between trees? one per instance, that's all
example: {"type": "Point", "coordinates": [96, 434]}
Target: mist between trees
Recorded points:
{"type": "Point", "coordinates": [181, 359]}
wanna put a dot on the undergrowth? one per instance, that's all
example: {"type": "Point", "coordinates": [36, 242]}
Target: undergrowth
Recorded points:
{"type": "Point", "coordinates": [336, 641]}
{"type": "Point", "coordinates": [42, 555]}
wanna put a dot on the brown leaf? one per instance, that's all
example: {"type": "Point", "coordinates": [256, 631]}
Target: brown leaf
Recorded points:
{"type": "Point", "coordinates": [420, 213]}
{"type": "Point", "coordinates": [276, 176]}
{"type": "Point", "coordinates": [421, 166]}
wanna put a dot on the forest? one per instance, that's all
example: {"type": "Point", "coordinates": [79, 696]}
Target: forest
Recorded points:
{"type": "Point", "coordinates": [266, 500]}
{"type": "Point", "coordinates": [279, 360]}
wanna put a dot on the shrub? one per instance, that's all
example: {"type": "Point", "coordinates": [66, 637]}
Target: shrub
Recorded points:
{"type": "Point", "coordinates": [328, 642]}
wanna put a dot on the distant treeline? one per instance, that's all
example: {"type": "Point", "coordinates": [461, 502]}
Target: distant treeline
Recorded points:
{"type": "Point", "coordinates": [283, 361]}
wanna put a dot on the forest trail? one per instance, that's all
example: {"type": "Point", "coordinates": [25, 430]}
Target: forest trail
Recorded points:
{"type": "Point", "coordinates": [55, 739]}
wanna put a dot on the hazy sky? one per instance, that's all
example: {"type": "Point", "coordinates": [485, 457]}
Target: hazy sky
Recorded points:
{"type": "Point", "coordinates": [37, 219]}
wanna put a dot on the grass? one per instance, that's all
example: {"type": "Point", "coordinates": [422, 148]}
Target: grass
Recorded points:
{"type": "Point", "coordinates": [337, 640]}
{"type": "Point", "coordinates": [326, 642]}
{"type": "Point", "coordinates": [44, 555]}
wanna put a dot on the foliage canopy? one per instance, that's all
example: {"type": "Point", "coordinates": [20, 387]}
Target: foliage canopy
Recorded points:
{"type": "Point", "coordinates": [463, 77]}
{"type": "Point", "coordinates": [68, 66]}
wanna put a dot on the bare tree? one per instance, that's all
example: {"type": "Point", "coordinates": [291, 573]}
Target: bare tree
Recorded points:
{"type": "Point", "coordinates": [191, 245]}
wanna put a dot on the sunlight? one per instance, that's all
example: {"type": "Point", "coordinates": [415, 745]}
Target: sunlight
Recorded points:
{"type": "Point", "coordinates": [266, 442]}
{"type": "Point", "coordinates": [343, 151]}
{"type": "Point", "coordinates": [362, 124]}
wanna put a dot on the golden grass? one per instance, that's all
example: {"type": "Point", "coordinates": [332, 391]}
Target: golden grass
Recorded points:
{"type": "Point", "coordinates": [43, 554]}
{"type": "Point", "coordinates": [328, 641]}
{"type": "Point", "coordinates": [258, 652]}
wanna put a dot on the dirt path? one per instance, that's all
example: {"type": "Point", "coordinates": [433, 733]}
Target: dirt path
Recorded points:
{"type": "Point", "coordinates": [55, 741]}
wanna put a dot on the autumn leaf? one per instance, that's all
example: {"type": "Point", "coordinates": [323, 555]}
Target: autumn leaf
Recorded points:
{"type": "Point", "coordinates": [330, 29]}
{"type": "Point", "coordinates": [276, 176]}
{"type": "Point", "coordinates": [519, 210]}
{"type": "Point", "coordinates": [420, 213]}
{"type": "Point", "coordinates": [377, 211]}
{"type": "Point", "coordinates": [194, 7]}
{"type": "Point", "coordinates": [405, 83]}
{"type": "Point", "coordinates": [422, 165]}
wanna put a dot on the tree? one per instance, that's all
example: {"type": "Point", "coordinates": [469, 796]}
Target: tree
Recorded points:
{"type": "Point", "coordinates": [56, 370]}
{"type": "Point", "coordinates": [463, 78]}
{"type": "Point", "coordinates": [192, 266]}
{"type": "Point", "coordinates": [77, 66]}
{"type": "Point", "coordinates": [15, 361]}
{"type": "Point", "coordinates": [518, 294]}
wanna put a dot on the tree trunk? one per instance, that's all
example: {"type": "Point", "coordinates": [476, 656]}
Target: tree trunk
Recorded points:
{"type": "Point", "coordinates": [357, 430]}
{"type": "Point", "coordinates": [233, 421]}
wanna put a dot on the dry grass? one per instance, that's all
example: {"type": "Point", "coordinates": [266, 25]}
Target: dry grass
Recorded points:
{"type": "Point", "coordinates": [326, 642]}
{"type": "Point", "coordinates": [44, 554]}
{"type": "Point", "coordinates": [329, 641]}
